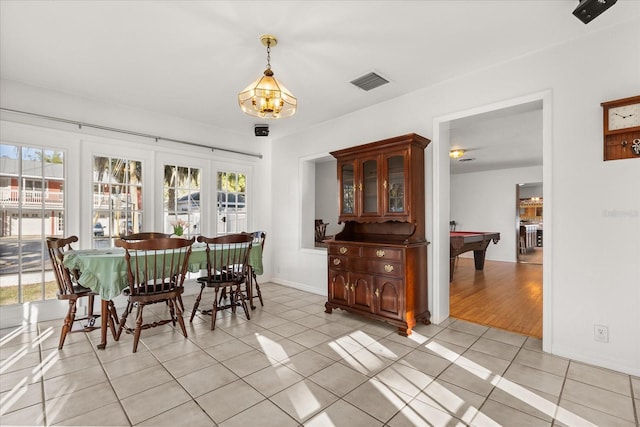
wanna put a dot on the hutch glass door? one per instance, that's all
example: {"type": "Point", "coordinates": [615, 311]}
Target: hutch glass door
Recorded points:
{"type": "Point", "coordinates": [370, 187]}
{"type": "Point", "coordinates": [395, 184]}
{"type": "Point", "coordinates": [347, 189]}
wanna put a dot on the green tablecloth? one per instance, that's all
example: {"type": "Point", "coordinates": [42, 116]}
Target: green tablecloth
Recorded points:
{"type": "Point", "coordinates": [105, 270]}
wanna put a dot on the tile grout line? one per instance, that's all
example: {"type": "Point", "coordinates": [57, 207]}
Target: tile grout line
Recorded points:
{"type": "Point", "coordinates": [633, 402]}
{"type": "Point", "coordinates": [44, 401]}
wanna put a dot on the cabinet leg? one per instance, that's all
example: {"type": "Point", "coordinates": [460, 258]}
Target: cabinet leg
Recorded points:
{"type": "Point", "coordinates": [404, 331]}
{"type": "Point", "coordinates": [328, 308]}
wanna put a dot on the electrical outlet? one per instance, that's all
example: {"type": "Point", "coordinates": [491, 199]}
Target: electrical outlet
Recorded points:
{"type": "Point", "coordinates": [601, 333]}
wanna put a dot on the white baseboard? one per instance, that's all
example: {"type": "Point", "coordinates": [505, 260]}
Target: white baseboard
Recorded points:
{"type": "Point", "coordinates": [602, 362]}
{"type": "Point", "coordinates": [299, 286]}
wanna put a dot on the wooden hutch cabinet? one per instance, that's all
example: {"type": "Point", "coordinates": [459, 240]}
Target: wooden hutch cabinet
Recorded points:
{"type": "Point", "coordinates": [377, 265]}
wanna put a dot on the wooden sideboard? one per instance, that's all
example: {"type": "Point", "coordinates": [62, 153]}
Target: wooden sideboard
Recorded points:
{"type": "Point", "coordinates": [377, 265]}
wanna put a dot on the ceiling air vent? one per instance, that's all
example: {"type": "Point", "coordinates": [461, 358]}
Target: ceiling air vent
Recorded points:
{"type": "Point", "coordinates": [369, 81]}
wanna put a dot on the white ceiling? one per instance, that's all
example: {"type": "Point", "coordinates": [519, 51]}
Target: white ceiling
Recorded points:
{"type": "Point", "coordinates": [189, 59]}
{"type": "Point", "coordinates": [500, 139]}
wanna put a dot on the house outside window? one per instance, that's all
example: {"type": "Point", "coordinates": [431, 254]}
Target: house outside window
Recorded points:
{"type": "Point", "coordinates": [31, 209]}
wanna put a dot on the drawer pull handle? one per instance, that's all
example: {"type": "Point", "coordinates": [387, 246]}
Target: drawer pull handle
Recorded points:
{"type": "Point", "coordinates": [343, 250]}
{"type": "Point", "coordinates": [346, 286]}
{"type": "Point", "coordinates": [384, 184]}
{"type": "Point", "coordinates": [379, 253]}
{"type": "Point", "coordinates": [336, 261]}
{"type": "Point", "coordinates": [388, 268]}
{"type": "Point", "coordinates": [353, 287]}
{"type": "Point", "coordinates": [377, 293]}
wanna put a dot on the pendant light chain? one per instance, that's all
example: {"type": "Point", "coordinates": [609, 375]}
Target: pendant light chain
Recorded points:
{"type": "Point", "coordinates": [268, 55]}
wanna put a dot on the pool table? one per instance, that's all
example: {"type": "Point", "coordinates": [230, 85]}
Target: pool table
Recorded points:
{"type": "Point", "coordinates": [464, 241]}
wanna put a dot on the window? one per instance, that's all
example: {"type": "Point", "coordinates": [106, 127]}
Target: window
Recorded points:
{"type": "Point", "coordinates": [231, 202]}
{"type": "Point", "coordinates": [117, 199]}
{"type": "Point", "coordinates": [32, 208]}
{"type": "Point", "coordinates": [182, 199]}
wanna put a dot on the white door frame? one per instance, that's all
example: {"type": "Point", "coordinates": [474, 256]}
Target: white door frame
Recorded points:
{"type": "Point", "coordinates": [439, 206]}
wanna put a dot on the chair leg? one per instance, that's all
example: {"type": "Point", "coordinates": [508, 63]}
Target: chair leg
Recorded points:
{"type": "Point", "coordinates": [197, 303]}
{"type": "Point", "coordinates": [214, 311]}
{"type": "Point", "coordinates": [181, 319]}
{"type": "Point", "coordinates": [232, 297]}
{"type": "Point", "coordinates": [243, 301]}
{"type": "Point", "coordinates": [172, 303]}
{"type": "Point", "coordinates": [112, 318]}
{"type": "Point", "coordinates": [136, 335]}
{"type": "Point", "coordinates": [90, 307]}
{"type": "Point", "coordinates": [91, 318]}
{"type": "Point", "coordinates": [123, 321]}
{"type": "Point", "coordinates": [223, 295]}
{"type": "Point", "coordinates": [68, 322]}
{"type": "Point", "coordinates": [255, 280]}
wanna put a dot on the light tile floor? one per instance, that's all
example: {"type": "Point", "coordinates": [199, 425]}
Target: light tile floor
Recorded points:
{"type": "Point", "coordinates": [292, 364]}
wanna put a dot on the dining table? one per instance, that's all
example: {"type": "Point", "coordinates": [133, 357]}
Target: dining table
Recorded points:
{"type": "Point", "coordinates": [104, 271]}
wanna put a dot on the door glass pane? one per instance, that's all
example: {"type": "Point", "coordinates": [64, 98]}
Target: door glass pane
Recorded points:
{"type": "Point", "coordinates": [117, 199]}
{"type": "Point", "coordinates": [181, 200]}
{"type": "Point", "coordinates": [231, 204]}
{"type": "Point", "coordinates": [395, 166]}
{"type": "Point", "coordinates": [347, 189]}
{"type": "Point", "coordinates": [370, 186]}
{"type": "Point", "coordinates": [32, 194]}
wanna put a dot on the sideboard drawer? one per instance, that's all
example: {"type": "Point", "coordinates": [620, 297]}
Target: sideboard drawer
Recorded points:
{"type": "Point", "coordinates": [382, 253]}
{"type": "Point", "coordinates": [345, 250]}
{"type": "Point", "coordinates": [388, 268]}
{"type": "Point", "coordinates": [339, 262]}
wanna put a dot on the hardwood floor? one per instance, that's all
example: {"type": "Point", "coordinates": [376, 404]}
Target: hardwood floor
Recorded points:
{"type": "Point", "coordinates": [505, 295]}
{"type": "Point", "coordinates": [532, 256]}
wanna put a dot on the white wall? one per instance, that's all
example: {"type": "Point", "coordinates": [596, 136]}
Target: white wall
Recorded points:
{"type": "Point", "coordinates": [486, 201]}
{"type": "Point", "coordinates": [327, 195]}
{"type": "Point", "coordinates": [594, 271]}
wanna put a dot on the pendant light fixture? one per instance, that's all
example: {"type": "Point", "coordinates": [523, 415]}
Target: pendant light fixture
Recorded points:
{"type": "Point", "coordinates": [266, 97]}
{"type": "Point", "coordinates": [456, 153]}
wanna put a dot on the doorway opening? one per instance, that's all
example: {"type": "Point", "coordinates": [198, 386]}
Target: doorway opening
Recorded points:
{"type": "Point", "coordinates": [530, 222]}
{"type": "Point", "coordinates": [491, 209]}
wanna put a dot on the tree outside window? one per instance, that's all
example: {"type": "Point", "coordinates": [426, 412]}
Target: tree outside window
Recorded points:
{"type": "Point", "coordinates": [182, 198]}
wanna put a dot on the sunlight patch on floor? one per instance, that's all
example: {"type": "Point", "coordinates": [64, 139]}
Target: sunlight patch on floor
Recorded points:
{"type": "Point", "coordinates": [13, 395]}
{"type": "Point", "coordinates": [274, 351]}
{"type": "Point", "coordinates": [11, 335]}
{"type": "Point", "coordinates": [40, 369]}
{"type": "Point", "coordinates": [515, 390]}
{"type": "Point", "coordinates": [43, 336]}
{"type": "Point", "coordinates": [15, 357]}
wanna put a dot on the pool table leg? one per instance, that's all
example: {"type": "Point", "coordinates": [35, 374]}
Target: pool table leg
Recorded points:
{"type": "Point", "coordinates": [478, 258]}
{"type": "Point", "coordinates": [452, 264]}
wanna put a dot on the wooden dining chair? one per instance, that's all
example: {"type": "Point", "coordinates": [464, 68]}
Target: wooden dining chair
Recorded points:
{"type": "Point", "coordinates": [227, 270]}
{"type": "Point", "coordinates": [145, 236]}
{"type": "Point", "coordinates": [252, 281]}
{"type": "Point", "coordinates": [156, 269]}
{"type": "Point", "coordinates": [69, 289]}
{"type": "Point", "coordinates": [258, 239]}
{"type": "Point", "coordinates": [321, 230]}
